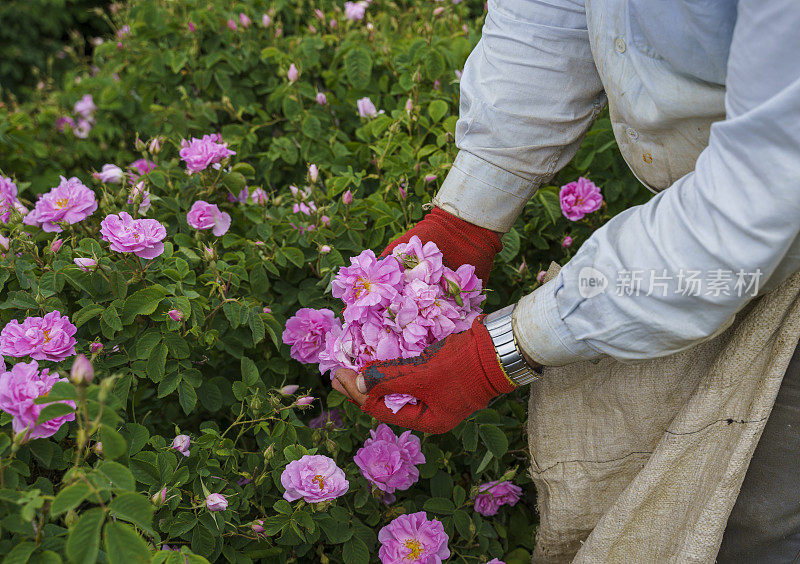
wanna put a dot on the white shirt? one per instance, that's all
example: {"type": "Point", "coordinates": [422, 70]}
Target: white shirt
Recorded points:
{"type": "Point", "coordinates": [669, 69]}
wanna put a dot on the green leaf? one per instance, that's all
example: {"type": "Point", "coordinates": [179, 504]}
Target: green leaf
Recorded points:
{"type": "Point", "coordinates": [550, 203]}
{"type": "Point", "coordinates": [118, 284]}
{"type": "Point", "coordinates": [462, 522]}
{"type": "Point", "coordinates": [85, 314]}
{"type": "Point", "coordinates": [111, 317]}
{"type": "Point", "coordinates": [119, 475]}
{"type": "Point", "coordinates": [60, 391]}
{"type": "Point", "coordinates": [48, 557]}
{"type": "Point", "coordinates": [355, 551]}
{"type": "Point", "coordinates": [54, 410]}
{"type": "Point", "coordinates": [157, 362]}
{"type": "Point", "coordinates": [439, 505]}
{"type": "Point", "coordinates": [187, 397]}
{"type": "Point", "coordinates": [83, 541]}
{"type": "Point", "coordinates": [124, 545]}
{"type": "Point", "coordinates": [358, 67]}
{"type": "Point", "coordinates": [294, 255]}
{"type": "Point", "coordinates": [437, 109]}
{"type": "Point", "coordinates": [249, 372]}
{"type": "Point", "coordinates": [114, 444]}
{"type": "Point", "coordinates": [485, 462]}
{"type": "Point", "coordinates": [181, 523]}
{"type": "Point", "coordinates": [133, 507]}
{"type": "Point", "coordinates": [494, 439]}
{"type": "Point", "coordinates": [69, 498]}
{"type": "Point", "coordinates": [143, 302]}
{"type": "Point", "coordinates": [169, 384]}
{"type": "Point", "coordinates": [20, 553]}
{"type": "Point", "coordinates": [257, 326]}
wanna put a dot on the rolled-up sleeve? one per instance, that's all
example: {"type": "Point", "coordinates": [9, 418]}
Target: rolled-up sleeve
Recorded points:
{"type": "Point", "coordinates": [529, 92]}
{"type": "Point", "coordinates": [738, 212]}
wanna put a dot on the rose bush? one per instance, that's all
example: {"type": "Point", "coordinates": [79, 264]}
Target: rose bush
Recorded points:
{"type": "Point", "coordinates": [238, 168]}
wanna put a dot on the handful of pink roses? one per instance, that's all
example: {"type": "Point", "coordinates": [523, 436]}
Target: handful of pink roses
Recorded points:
{"type": "Point", "coordinates": [394, 307]}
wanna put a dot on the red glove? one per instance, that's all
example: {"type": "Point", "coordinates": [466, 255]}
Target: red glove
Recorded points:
{"type": "Point", "coordinates": [451, 379]}
{"type": "Point", "coordinates": [461, 242]}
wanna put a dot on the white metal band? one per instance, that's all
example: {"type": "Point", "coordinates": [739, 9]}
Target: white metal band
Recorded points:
{"type": "Point", "coordinates": [500, 330]}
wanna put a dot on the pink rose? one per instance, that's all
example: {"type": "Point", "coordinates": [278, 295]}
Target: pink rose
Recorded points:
{"type": "Point", "coordinates": [181, 444]}
{"type": "Point", "coordinates": [413, 538]}
{"type": "Point", "coordinates": [366, 108]}
{"type": "Point", "coordinates": [8, 199]}
{"type": "Point", "coordinates": [244, 20]}
{"type": "Point", "coordinates": [266, 20]}
{"type": "Point", "coordinates": [366, 282]}
{"type": "Point", "coordinates": [19, 387]}
{"type": "Point", "coordinates": [321, 99]}
{"type": "Point", "coordinates": [138, 195]}
{"type": "Point", "coordinates": [259, 196]}
{"type": "Point", "coordinates": [355, 11]}
{"type": "Point", "coordinates": [567, 242]}
{"type": "Point", "coordinates": [41, 338]}
{"type": "Point", "coordinates": [95, 347]}
{"type": "Point", "coordinates": [292, 74]}
{"type": "Point", "coordinates": [85, 107]}
{"type": "Point", "coordinates": [305, 400]}
{"type": "Point", "coordinates": [138, 168]}
{"type": "Point", "coordinates": [82, 371]}
{"type": "Point", "coordinates": [493, 560]}
{"type": "Point", "coordinates": [85, 264]}
{"type": "Point", "coordinates": [207, 216]}
{"type": "Point", "coordinates": [175, 314]}
{"type": "Point", "coordinates": [305, 333]}
{"type": "Point", "coordinates": [540, 276]}
{"type": "Point", "coordinates": [579, 198]}
{"type": "Point", "coordinates": [69, 202]}
{"type": "Point", "coordinates": [199, 154]}
{"type": "Point", "coordinates": [313, 172]}
{"type": "Point", "coordinates": [231, 25]}
{"type": "Point", "coordinates": [141, 237]}
{"type": "Point", "coordinates": [110, 173]}
{"type": "Point", "coordinates": [216, 502]}
{"type": "Point", "coordinates": [347, 197]}
{"type": "Point", "coordinates": [288, 390]}
{"type": "Point", "coordinates": [314, 478]}
{"type": "Point", "coordinates": [493, 495]}
{"type": "Point", "coordinates": [56, 245]}
{"type": "Point", "coordinates": [388, 461]}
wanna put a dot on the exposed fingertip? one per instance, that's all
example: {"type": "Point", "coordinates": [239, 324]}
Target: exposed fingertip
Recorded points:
{"type": "Point", "coordinates": [361, 384]}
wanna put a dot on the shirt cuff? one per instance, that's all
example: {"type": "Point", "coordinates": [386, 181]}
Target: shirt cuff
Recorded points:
{"type": "Point", "coordinates": [484, 194]}
{"type": "Point", "coordinates": [541, 332]}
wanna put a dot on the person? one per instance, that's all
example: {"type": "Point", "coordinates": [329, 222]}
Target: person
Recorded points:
{"type": "Point", "coordinates": [663, 392]}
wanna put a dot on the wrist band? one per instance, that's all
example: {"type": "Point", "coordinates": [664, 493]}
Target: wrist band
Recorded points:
{"type": "Point", "coordinates": [514, 365]}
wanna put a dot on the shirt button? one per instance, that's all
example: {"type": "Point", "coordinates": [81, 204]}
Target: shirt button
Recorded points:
{"type": "Point", "coordinates": [619, 45]}
{"type": "Point", "coordinates": [632, 133]}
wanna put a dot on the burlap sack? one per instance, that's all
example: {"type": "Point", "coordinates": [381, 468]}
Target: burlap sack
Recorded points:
{"type": "Point", "coordinates": [643, 462]}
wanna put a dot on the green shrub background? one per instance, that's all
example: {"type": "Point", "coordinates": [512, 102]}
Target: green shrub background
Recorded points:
{"type": "Point", "coordinates": [215, 375]}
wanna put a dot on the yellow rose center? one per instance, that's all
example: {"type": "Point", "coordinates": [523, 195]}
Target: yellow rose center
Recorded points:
{"type": "Point", "coordinates": [415, 547]}
{"type": "Point", "coordinates": [320, 481]}
{"type": "Point", "coordinates": [362, 284]}
{"type": "Point", "coordinates": [46, 334]}
{"type": "Point", "coordinates": [62, 202]}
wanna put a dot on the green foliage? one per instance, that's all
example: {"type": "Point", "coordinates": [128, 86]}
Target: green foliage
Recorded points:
{"type": "Point", "coordinates": [87, 493]}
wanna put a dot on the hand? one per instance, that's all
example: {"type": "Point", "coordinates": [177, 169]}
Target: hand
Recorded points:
{"type": "Point", "coordinates": [451, 379]}
{"type": "Point", "coordinates": [461, 242]}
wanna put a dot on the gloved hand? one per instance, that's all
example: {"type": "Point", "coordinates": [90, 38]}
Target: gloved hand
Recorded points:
{"type": "Point", "coordinates": [451, 379]}
{"type": "Point", "coordinates": [461, 242]}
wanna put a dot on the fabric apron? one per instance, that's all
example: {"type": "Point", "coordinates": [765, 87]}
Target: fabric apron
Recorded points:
{"type": "Point", "coordinates": [643, 462]}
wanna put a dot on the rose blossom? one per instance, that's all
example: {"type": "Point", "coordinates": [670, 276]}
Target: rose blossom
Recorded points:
{"type": "Point", "coordinates": [199, 154]}
{"type": "Point", "coordinates": [540, 276]}
{"type": "Point", "coordinates": [493, 560]}
{"type": "Point", "coordinates": [216, 502]}
{"type": "Point", "coordinates": [259, 196]}
{"type": "Point", "coordinates": [579, 198]}
{"type": "Point", "coordinates": [321, 99]}
{"type": "Point", "coordinates": [366, 108]}
{"type": "Point", "coordinates": [231, 25]}
{"type": "Point", "coordinates": [85, 264]}
{"type": "Point", "coordinates": [181, 444]}
{"type": "Point", "coordinates": [492, 495]}
{"type": "Point", "coordinates": [19, 387]}
{"type": "Point", "coordinates": [388, 461]}
{"type": "Point", "coordinates": [413, 538]}
{"type": "Point", "coordinates": [265, 20]}
{"type": "Point", "coordinates": [244, 20]}
{"type": "Point", "coordinates": [8, 199]}
{"type": "Point", "coordinates": [95, 347]}
{"type": "Point", "coordinates": [314, 478]}
{"type": "Point", "coordinates": [85, 107]}
{"type": "Point", "coordinates": [257, 526]}
{"type": "Point", "coordinates": [394, 402]}
{"type": "Point", "coordinates": [41, 338]}
{"type": "Point", "coordinates": [141, 237]}
{"type": "Point", "coordinates": [292, 74]}
{"type": "Point", "coordinates": [321, 421]}
{"type": "Point", "coordinates": [69, 202]}
{"type": "Point", "coordinates": [110, 173]}
{"type": "Point", "coordinates": [305, 333]}
{"type": "Point", "coordinates": [366, 282]}
{"type": "Point", "coordinates": [355, 11]}
{"type": "Point", "coordinates": [138, 168]}
{"type": "Point", "coordinates": [567, 242]}
{"type": "Point", "coordinates": [207, 216]}
{"type": "Point", "coordinates": [313, 172]}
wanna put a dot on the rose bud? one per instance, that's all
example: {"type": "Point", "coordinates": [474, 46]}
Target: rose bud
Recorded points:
{"type": "Point", "coordinates": [216, 502]}
{"type": "Point", "coordinates": [305, 400]}
{"type": "Point", "coordinates": [82, 371]}
{"type": "Point", "coordinates": [96, 347]}
{"type": "Point", "coordinates": [175, 315]}
{"type": "Point", "coordinates": [288, 389]}
{"type": "Point", "coordinates": [324, 249]}
{"type": "Point", "coordinates": [347, 197]}
{"type": "Point", "coordinates": [56, 245]}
